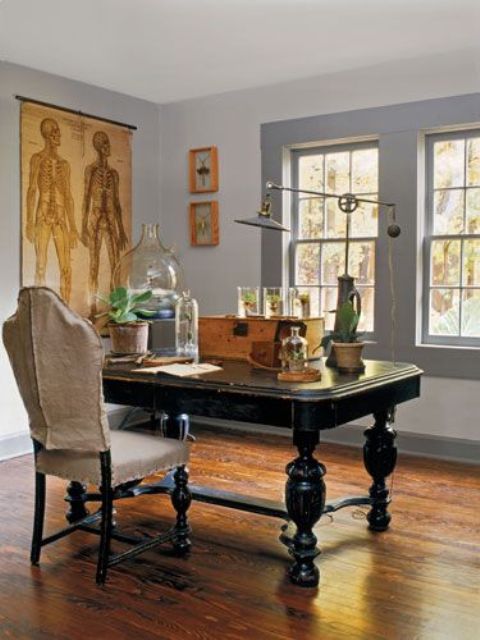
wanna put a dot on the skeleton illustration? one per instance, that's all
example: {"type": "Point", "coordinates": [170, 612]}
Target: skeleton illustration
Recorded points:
{"type": "Point", "coordinates": [102, 214]}
{"type": "Point", "coordinates": [54, 213]}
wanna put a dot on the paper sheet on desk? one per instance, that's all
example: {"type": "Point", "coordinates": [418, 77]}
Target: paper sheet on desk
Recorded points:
{"type": "Point", "coordinates": [181, 370]}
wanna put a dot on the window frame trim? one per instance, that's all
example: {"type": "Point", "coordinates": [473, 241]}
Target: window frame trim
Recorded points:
{"type": "Point", "coordinates": [297, 152]}
{"type": "Point", "coordinates": [428, 339]}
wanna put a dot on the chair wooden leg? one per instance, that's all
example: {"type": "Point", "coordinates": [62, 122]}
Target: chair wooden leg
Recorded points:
{"type": "Point", "coordinates": [181, 499]}
{"type": "Point", "coordinates": [106, 522]}
{"type": "Point", "coordinates": [39, 518]}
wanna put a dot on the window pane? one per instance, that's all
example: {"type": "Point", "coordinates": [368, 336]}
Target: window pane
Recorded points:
{"type": "Point", "coordinates": [473, 210]}
{"type": "Point", "coordinates": [473, 161]}
{"type": "Point", "coordinates": [366, 317]}
{"type": "Point", "coordinates": [308, 262]}
{"type": "Point", "coordinates": [336, 220]}
{"type": "Point", "coordinates": [337, 172]}
{"type": "Point", "coordinates": [444, 312]}
{"type": "Point", "coordinates": [471, 313]}
{"type": "Point", "coordinates": [448, 211]}
{"type": "Point", "coordinates": [365, 171]}
{"type": "Point", "coordinates": [329, 304]}
{"type": "Point", "coordinates": [333, 261]}
{"type": "Point", "coordinates": [361, 262]}
{"type": "Point", "coordinates": [310, 172]}
{"type": "Point", "coordinates": [471, 263]}
{"type": "Point", "coordinates": [311, 218]}
{"type": "Point", "coordinates": [364, 221]}
{"type": "Point", "coordinates": [445, 262]}
{"type": "Point", "coordinates": [448, 163]}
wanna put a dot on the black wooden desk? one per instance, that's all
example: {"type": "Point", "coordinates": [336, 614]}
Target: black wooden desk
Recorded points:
{"type": "Point", "coordinates": [241, 393]}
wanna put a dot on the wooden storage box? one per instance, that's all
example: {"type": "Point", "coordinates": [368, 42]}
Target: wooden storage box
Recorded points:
{"type": "Point", "coordinates": [231, 337]}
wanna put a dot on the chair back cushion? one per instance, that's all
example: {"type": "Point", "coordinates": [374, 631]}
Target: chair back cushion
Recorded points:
{"type": "Point", "coordinates": [57, 358]}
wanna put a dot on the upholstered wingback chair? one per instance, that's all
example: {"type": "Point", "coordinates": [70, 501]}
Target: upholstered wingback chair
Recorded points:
{"type": "Point", "coordinates": [57, 358]}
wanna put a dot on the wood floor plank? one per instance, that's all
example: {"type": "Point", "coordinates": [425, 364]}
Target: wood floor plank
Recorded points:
{"type": "Point", "coordinates": [419, 580]}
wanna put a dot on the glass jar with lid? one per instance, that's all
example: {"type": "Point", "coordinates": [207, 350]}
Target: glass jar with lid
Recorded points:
{"type": "Point", "coordinates": [186, 326]}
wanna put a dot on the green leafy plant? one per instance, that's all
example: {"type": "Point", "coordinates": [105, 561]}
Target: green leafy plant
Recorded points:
{"type": "Point", "coordinates": [126, 307]}
{"type": "Point", "coordinates": [249, 298]}
{"type": "Point", "coordinates": [348, 320]}
{"type": "Point", "coordinates": [274, 301]}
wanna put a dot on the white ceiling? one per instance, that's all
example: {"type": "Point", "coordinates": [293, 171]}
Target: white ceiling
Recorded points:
{"type": "Point", "coordinates": [169, 50]}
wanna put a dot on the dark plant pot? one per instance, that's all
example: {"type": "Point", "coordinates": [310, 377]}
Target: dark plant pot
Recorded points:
{"type": "Point", "coordinates": [131, 338]}
{"type": "Point", "coordinates": [349, 356]}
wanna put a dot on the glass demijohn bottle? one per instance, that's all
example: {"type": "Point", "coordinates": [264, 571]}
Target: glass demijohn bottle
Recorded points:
{"type": "Point", "coordinates": [150, 265]}
{"type": "Point", "coordinates": [186, 326]}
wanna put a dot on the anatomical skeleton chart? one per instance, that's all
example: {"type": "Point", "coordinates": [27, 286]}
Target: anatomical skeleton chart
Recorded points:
{"type": "Point", "coordinates": [76, 203]}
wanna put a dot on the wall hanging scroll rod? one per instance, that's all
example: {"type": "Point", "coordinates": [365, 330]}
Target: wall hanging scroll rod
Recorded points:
{"type": "Point", "coordinates": [132, 127]}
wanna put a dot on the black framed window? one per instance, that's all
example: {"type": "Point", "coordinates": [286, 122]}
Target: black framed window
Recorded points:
{"type": "Point", "coordinates": [319, 226]}
{"type": "Point", "coordinates": [451, 298]}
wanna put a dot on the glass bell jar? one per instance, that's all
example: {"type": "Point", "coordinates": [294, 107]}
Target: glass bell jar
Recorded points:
{"type": "Point", "coordinates": [150, 265]}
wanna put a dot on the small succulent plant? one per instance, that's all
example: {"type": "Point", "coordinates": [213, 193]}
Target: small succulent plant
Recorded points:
{"type": "Point", "coordinates": [346, 332]}
{"type": "Point", "coordinates": [125, 307]}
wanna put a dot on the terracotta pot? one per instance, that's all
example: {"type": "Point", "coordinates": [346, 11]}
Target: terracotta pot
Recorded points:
{"type": "Point", "coordinates": [129, 338]}
{"type": "Point", "coordinates": [349, 356]}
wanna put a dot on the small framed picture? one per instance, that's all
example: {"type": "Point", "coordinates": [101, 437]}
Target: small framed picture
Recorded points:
{"type": "Point", "coordinates": [203, 170]}
{"type": "Point", "coordinates": [204, 223]}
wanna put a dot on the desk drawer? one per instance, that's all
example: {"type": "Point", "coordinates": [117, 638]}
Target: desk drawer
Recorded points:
{"type": "Point", "coordinates": [129, 393]}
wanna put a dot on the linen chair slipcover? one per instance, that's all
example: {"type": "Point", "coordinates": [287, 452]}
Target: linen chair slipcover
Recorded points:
{"type": "Point", "coordinates": [57, 359]}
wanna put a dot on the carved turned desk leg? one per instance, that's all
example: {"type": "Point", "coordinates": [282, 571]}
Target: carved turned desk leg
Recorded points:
{"type": "Point", "coordinates": [181, 499]}
{"type": "Point", "coordinates": [305, 500]}
{"type": "Point", "coordinates": [380, 456]}
{"type": "Point", "coordinates": [76, 500]}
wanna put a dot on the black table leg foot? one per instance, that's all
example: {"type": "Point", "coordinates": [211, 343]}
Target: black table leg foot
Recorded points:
{"type": "Point", "coordinates": [181, 500]}
{"type": "Point", "coordinates": [380, 457]}
{"type": "Point", "coordinates": [76, 499]}
{"type": "Point", "coordinates": [305, 499]}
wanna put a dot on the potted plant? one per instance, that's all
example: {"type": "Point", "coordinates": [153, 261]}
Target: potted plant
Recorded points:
{"type": "Point", "coordinates": [345, 340]}
{"type": "Point", "coordinates": [249, 300]}
{"type": "Point", "coordinates": [127, 325]}
{"type": "Point", "coordinates": [304, 299]}
{"type": "Point", "coordinates": [273, 301]}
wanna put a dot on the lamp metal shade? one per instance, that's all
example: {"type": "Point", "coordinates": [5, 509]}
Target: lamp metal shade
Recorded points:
{"type": "Point", "coordinates": [264, 222]}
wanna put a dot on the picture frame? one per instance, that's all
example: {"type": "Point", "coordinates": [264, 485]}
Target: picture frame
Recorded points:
{"type": "Point", "coordinates": [203, 170]}
{"type": "Point", "coordinates": [204, 230]}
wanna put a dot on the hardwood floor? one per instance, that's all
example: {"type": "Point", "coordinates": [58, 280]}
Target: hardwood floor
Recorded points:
{"type": "Point", "coordinates": [419, 580]}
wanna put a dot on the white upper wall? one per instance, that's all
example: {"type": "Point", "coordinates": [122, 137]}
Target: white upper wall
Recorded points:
{"type": "Point", "coordinates": [167, 50]}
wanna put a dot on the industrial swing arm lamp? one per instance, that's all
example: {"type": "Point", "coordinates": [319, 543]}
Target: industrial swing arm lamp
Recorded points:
{"type": "Point", "coordinates": [347, 202]}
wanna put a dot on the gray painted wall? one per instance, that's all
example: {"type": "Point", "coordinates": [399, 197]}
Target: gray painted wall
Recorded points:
{"type": "Point", "coordinates": [146, 167]}
{"type": "Point", "coordinates": [232, 121]}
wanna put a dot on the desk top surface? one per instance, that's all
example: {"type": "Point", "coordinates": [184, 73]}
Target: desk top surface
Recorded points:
{"type": "Point", "coordinates": [241, 378]}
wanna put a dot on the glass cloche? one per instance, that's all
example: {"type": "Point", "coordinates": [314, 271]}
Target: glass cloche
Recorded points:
{"type": "Point", "coordinates": [150, 265]}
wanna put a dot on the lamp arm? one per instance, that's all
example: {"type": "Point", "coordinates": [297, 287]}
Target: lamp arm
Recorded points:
{"type": "Point", "coordinates": [281, 187]}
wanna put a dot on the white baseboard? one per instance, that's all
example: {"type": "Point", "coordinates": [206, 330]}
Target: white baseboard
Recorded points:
{"type": "Point", "coordinates": [417, 444]}
{"type": "Point", "coordinates": [457, 449]}
{"type": "Point", "coordinates": [17, 444]}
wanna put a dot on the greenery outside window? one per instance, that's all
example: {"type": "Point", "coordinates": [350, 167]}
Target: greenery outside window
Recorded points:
{"type": "Point", "coordinates": [452, 239]}
{"type": "Point", "coordinates": [319, 227]}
